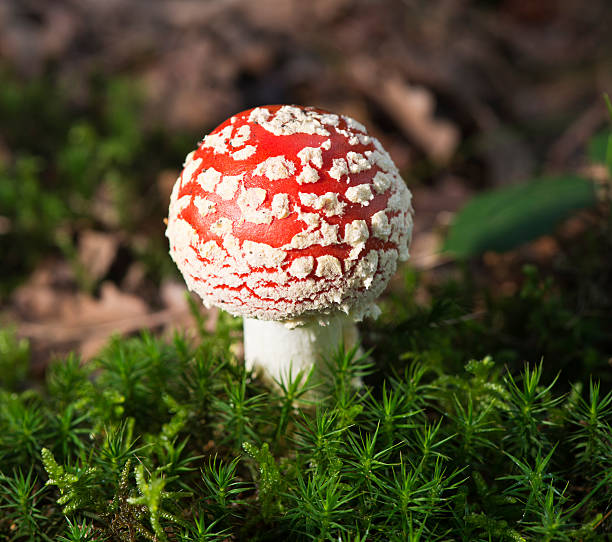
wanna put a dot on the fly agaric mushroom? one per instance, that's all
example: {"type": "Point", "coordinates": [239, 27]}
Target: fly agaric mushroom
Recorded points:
{"type": "Point", "coordinates": [295, 219]}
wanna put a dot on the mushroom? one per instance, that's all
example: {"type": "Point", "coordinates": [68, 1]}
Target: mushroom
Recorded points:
{"type": "Point", "coordinates": [295, 219]}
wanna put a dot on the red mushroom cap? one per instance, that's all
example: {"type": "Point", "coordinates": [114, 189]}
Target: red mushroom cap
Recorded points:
{"type": "Point", "coordinates": [285, 212]}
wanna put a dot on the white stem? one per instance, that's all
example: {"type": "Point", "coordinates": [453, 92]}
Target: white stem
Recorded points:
{"type": "Point", "coordinates": [278, 351]}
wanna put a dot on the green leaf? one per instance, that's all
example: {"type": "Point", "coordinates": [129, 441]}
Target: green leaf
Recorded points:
{"type": "Point", "coordinates": [608, 104]}
{"type": "Point", "coordinates": [608, 157]}
{"type": "Point", "coordinates": [600, 149]}
{"type": "Point", "coordinates": [609, 154]}
{"type": "Point", "coordinates": [503, 219]}
{"type": "Point", "coordinates": [598, 146]}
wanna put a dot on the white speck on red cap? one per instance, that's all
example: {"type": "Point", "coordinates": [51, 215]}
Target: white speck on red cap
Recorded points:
{"type": "Point", "coordinates": [361, 193]}
{"type": "Point", "coordinates": [228, 186]}
{"type": "Point", "coordinates": [286, 212]}
{"type": "Point", "coordinates": [244, 153]}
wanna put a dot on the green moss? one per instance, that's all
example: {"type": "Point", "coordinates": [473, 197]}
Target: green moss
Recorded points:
{"type": "Point", "coordinates": [175, 441]}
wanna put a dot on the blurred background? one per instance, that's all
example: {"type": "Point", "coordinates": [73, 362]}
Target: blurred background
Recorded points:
{"type": "Point", "coordinates": [100, 101]}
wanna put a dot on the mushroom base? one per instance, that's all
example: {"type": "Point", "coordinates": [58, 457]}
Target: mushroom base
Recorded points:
{"type": "Point", "coordinates": [278, 351]}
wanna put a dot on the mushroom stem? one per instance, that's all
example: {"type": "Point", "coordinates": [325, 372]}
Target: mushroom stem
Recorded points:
{"type": "Point", "coordinates": [278, 350]}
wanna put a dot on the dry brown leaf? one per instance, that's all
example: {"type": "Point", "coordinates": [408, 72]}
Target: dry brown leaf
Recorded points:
{"type": "Point", "coordinates": [411, 107]}
{"type": "Point", "coordinates": [97, 250]}
{"type": "Point", "coordinates": [135, 278]}
{"type": "Point", "coordinates": [55, 317]}
{"type": "Point", "coordinates": [173, 295]}
{"type": "Point", "coordinates": [40, 296]}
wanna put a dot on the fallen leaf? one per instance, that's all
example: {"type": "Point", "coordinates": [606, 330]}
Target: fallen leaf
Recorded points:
{"type": "Point", "coordinates": [411, 107]}
{"type": "Point", "coordinates": [97, 251]}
